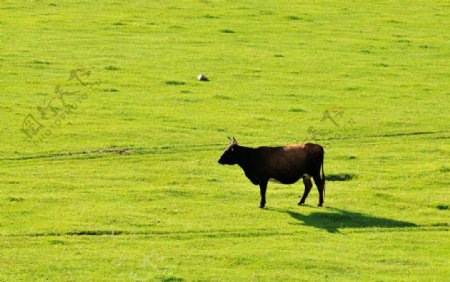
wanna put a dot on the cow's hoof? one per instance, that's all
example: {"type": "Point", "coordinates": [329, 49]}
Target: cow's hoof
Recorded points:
{"type": "Point", "coordinates": [261, 206]}
{"type": "Point", "coordinates": [300, 203]}
{"type": "Point", "coordinates": [319, 205]}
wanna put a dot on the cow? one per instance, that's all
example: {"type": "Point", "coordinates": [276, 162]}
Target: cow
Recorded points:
{"type": "Point", "coordinates": [285, 164]}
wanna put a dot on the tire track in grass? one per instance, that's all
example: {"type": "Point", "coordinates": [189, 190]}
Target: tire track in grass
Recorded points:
{"type": "Point", "coordinates": [432, 227]}
{"type": "Point", "coordinates": [178, 234]}
{"type": "Point", "coordinates": [172, 149]}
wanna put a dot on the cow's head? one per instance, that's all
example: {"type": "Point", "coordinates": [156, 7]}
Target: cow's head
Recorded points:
{"type": "Point", "coordinates": [229, 156]}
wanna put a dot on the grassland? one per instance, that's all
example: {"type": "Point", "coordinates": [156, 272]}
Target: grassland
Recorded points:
{"type": "Point", "coordinates": [121, 182]}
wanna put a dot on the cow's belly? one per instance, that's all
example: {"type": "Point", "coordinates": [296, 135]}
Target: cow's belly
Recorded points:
{"type": "Point", "coordinates": [284, 180]}
{"type": "Point", "coordinates": [288, 178]}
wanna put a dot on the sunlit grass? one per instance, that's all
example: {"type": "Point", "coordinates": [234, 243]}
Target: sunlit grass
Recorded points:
{"type": "Point", "coordinates": [126, 184]}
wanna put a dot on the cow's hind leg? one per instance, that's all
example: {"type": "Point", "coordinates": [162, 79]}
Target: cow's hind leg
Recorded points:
{"type": "Point", "coordinates": [308, 186]}
{"type": "Point", "coordinates": [320, 187]}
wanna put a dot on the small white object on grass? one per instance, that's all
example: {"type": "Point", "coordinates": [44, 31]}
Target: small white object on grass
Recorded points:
{"type": "Point", "coordinates": [202, 77]}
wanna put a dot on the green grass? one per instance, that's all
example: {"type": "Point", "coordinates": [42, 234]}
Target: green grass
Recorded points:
{"type": "Point", "coordinates": [121, 182]}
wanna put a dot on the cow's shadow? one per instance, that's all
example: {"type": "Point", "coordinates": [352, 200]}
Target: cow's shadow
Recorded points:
{"type": "Point", "coordinates": [338, 219]}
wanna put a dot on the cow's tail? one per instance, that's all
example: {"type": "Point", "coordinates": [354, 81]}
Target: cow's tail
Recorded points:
{"type": "Point", "coordinates": [323, 173]}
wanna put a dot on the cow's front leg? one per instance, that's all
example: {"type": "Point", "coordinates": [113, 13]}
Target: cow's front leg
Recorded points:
{"type": "Point", "coordinates": [262, 190]}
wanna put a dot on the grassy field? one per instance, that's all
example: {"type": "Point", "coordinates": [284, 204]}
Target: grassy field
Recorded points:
{"type": "Point", "coordinates": [109, 144]}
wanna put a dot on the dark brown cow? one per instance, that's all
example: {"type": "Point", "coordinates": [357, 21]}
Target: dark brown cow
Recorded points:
{"type": "Point", "coordinates": [286, 164]}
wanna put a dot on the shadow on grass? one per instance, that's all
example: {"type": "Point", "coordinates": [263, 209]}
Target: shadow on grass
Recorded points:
{"type": "Point", "coordinates": [339, 219]}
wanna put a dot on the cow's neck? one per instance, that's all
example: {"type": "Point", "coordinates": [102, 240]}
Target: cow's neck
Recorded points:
{"type": "Point", "coordinates": [246, 157]}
